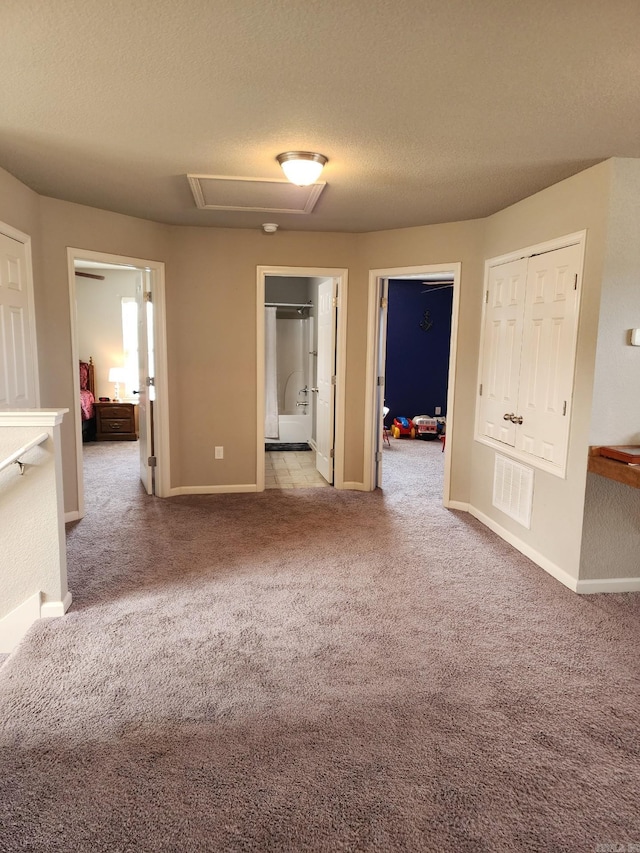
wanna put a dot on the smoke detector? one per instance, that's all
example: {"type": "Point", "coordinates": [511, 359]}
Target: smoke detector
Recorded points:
{"type": "Point", "coordinates": [269, 227]}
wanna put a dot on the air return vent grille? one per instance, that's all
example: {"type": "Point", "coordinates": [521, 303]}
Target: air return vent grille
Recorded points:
{"type": "Point", "coordinates": [261, 195]}
{"type": "Point", "coordinates": [513, 489]}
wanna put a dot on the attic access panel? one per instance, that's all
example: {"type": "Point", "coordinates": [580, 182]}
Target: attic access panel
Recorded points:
{"type": "Point", "coordinates": [260, 195]}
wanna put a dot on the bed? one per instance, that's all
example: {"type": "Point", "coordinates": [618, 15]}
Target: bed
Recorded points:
{"type": "Point", "coordinates": [87, 399]}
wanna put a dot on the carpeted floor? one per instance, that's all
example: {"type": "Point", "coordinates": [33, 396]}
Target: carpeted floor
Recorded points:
{"type": "Point", "coordinates": [316, 670]}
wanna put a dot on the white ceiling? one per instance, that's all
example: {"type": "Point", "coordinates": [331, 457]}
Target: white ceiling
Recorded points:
{"type": "Point", "coordinates": [429, 111]}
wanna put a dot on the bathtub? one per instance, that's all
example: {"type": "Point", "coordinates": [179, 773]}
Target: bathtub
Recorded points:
{"type": "Point", "coordinates": [293, 429]}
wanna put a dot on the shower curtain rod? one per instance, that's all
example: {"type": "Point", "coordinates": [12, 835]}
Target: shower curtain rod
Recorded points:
{"type": "Point", "coordinates": [288, 304]}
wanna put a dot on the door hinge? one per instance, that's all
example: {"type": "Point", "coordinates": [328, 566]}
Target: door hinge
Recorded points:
{"type": "Point", "coordinates": [383, 302]}
{"type": "Point", "coordinates": [331, 452]}
{"type": "Point", "coordinates": [380, 380]}
{"type": "Point", "coordinates": [333, 380]}
{"type": "Point", "coordinates": [575, 282]}
{"type": "Point", "coordinates": [486, 297]}
{"type": "Point", "coordinates": [335, 302]}
{"type": "Point", "coordinates": [152, 462]}
{"type": "Point", "coordinates": [480, 389]}
{"type": "Point", "coordinates": [149, 381]}
{"type": "Point", "coordinates": [564, 408]}
{"type": "Point", "coordinates": [378, 456]}
{"type": "Point", "coordinates": [146, 297]}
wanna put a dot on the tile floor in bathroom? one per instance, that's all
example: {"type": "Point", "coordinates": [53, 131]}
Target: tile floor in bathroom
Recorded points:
{"type": "Point", "coordinates": [292, 469]}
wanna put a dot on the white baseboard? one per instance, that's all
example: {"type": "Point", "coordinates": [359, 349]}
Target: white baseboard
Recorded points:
{"type": "Point", "coordinates": [542, 561]}
{"type": "Point", "coordinates": [17, 622]}
{"type": "Point", "coordinates": [461, 505]}
{"type": "Point", "coordinates": [353, 486]}
{"type": "Point", "coordinates": [589, 587]}
{"type": "Point", "coordinates": [213, 490]}
{"type": "Point", "coordinates": [52, 609]}
{"type": "Point", "coordinates": [74, 515]}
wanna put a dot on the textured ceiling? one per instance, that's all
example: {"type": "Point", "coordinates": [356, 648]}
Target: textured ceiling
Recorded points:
{"type": "Point", "coordinates": [429, 111]}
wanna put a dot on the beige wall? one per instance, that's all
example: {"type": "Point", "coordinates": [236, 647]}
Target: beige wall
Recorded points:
{"type": "Point", "coordinates": [611, 534]}
{"type": "Point", "coordinates": [63, 225]}
{"type": "Point", "coordinates": [211, 316]}
{"type": "Point", "coordinates": [578, 203]}
{"type": "Point", "coordinates": [458, 242]}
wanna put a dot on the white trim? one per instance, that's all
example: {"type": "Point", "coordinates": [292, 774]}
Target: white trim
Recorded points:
{"type": "Point", "coordinates": [342, 274]}
{"type": "Point", "coordinates": [15, 624]}
{"type": "Point", "coordinates": [588, 587]}
{"type": "Point", "coordinates": [575, 239]}
{"type": "Point", "coordinates": [213, 490]}
{"type": "Point", "coordinates": [161, 404]}
{"type": "Point", "coordinates": [353, 486]}
{"type": "Point", "coordinates": [315, 191]}
{"type": "Point", "coordinates": [25, 239]}
{"type": "Point", "coordinates": [371, 414]}
{"type": "Point", "coordinates": [53, 609]}
{"type": "Point", "coordinates": [32, 417]}
{"type": "Point", "coordinates": [74, 515]}
{"type": "Point", "coordinates": [538, 558]}
{"type": "Point", "coordinates": [461, 505]}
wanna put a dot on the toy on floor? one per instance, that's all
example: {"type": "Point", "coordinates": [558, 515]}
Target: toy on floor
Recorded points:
{"type": "Point", "coordinates": [402, 426]}
{"type": "Point", "coordinates": [427, 427]}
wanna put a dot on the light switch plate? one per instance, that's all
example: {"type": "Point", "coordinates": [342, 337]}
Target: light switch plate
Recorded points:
{"type": "Point", "coordinates": [635, 337]}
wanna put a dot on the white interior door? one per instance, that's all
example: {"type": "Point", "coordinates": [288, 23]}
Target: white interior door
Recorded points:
{"type": "Point", "coordinates": [146, 374]}
{"type": "Point", "coordinates": [325, 397]}
{"type": "Point", "coordinates": [381, 358]}
{"type": "Point", "coordinates": [546, 381]}
{"type": "Point", "coordinates": [501, 349]}
{"type": "Point", "coordinates": [17, 374]}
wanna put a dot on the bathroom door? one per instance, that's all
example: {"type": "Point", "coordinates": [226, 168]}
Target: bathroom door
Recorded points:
{"type": "Point", "coordinates": [325, 402]}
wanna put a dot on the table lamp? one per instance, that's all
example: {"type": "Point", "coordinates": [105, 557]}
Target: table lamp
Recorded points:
{"type": "Point", "coordinates": [117, 375]}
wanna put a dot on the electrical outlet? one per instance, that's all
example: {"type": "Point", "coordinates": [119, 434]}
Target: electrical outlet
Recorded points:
{"type": "Point", "coordinates": [438, 410]}
{"type": "Point", "coordinates": [219, 452]}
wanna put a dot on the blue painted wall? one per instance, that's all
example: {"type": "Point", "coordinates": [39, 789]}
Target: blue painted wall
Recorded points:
{"type": "Point", "coordinates": [417, 361]}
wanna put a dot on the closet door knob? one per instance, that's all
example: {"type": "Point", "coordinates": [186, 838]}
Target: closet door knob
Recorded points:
{"type": "Point", "coordinates": [314, 390]}
{"type": "Point", "coordinates": [508, 416]}
{"type": "Point", "coordinates": [516, 420]}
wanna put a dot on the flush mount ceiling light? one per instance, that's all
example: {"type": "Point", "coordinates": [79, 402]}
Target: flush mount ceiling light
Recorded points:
{"type": "Point", "coordinates": [302, 167]}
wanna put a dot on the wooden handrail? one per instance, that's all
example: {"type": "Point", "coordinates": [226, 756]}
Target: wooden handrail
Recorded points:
{"type": "Point", "coordinates": [15, 457]}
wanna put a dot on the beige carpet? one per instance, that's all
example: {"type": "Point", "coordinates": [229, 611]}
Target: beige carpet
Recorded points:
{"type": "Point", "coordinates": [313, 670]}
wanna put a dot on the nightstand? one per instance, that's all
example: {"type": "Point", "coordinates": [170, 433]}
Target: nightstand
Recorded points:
{"type": "Point", "coordinates": [115, 422]}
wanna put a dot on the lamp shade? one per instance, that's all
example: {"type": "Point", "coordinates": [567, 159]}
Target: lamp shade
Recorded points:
{"type": "Point", "coordinates": [117, 374]}
{"type": "Point", "coordinates": [302, 167]}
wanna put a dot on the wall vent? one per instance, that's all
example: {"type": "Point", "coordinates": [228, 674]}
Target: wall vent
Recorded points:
{"type": "Point", "coordinates": [261, 195]}
{"type": "Point", "coordinates": [513, 489]}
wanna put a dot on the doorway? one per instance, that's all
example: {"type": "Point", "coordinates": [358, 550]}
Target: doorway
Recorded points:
{"type": "Point", "coordinates": [425, 277]}
{"type": "Point", "coordinates": [301, 337]}
{"type": "Point", "coordinates": [128, 333]}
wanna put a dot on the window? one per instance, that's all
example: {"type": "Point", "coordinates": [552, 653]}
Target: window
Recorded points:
{"type": "Point", "coordinates": [130, 345]}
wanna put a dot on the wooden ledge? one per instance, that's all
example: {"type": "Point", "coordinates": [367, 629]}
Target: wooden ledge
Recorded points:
{"type": "Point", "coordinates": [629, 475]}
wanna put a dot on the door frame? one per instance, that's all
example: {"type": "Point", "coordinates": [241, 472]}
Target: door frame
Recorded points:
{"type": "Point", "coordinates": [161, 405]}
{"type": "Point", "coordinates": [25, 239]}
{"type": "Point", "coordinates": [372, 414]}
{"type": "Point", "coordinates": [341, 274]}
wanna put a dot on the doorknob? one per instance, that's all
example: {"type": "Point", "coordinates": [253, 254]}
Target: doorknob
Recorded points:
{"type": "Point", "coordinates": [508, 417]}
{"type": "Point", "coordinates": [516, 420]}
{"type": "Point", "coordinates": [314, 390]}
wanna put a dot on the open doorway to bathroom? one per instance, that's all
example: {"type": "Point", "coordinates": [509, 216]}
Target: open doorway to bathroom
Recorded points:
{"type": "Point", "coordinates": [301, 327]}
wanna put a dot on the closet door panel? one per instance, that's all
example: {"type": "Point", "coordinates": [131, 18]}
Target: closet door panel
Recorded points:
{"type": "Point", "coordinates": [548, 353]}
{"type": "Point", "coordinates": [501, 350]}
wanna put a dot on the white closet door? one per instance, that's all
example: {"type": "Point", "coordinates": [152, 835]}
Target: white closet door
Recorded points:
{"type": "Point", "coordinates": [501, 350]}
{"type": "Point", "coordinates": [548, 353]}
{"type": "Point", "coordinates": [17, 374]}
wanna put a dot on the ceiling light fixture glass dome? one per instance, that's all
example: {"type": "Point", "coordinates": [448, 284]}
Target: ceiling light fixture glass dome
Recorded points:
{"type": "Point", "coordinates": [302, 167]}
